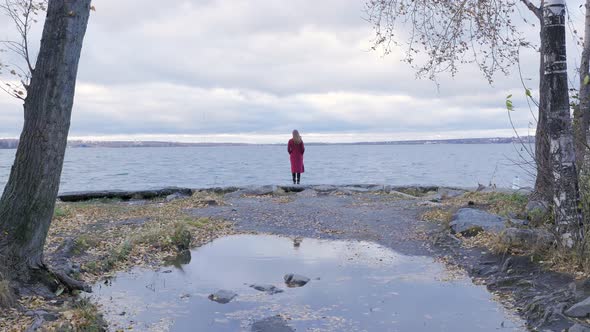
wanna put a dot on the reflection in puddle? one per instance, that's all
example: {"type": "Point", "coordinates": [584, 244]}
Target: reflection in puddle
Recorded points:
{"type": "Point", "coordinates": [354, 286]}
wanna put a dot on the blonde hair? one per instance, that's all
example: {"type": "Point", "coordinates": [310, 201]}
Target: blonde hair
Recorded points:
{"type": "Point", "coordinates": [296, 137]}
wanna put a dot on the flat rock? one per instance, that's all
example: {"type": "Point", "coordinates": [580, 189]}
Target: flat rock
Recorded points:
{"type": "Point", "coordinates": [270, 289]}
{"type": "Point", "coordinates": [124, 195]}
{"type": "Point", "coordinates": [447, 193]}
{"type": "Point", "coordinates": [307, 193]}
{"type": "Point", "coordinates": [324, 188]}
{"type": "Point", "coordinates": [469, 222]}
{"type": "Point", "coordinates": [579, 328]}
{"type": "Point", "coordinates": [272, 324]}
{"type": "Point", "coordinates": [295, 280]}
{"type": "Point", "coordinates": [222, 296]}
{"type": "Point", "coordinates": [353, 189]}
{"type": "Point", "coordinates": [526, 238]}
{"type": "Point", "coordinates": [579, 310]}
{"type": "Point", "coordinates": [401, 194]}
{"type": "Point", "coordinates": [253, 191]}
{"type": "Point", "coordinates": [293, 188]}
{"type": "Point", "coordinates": [176, 196]}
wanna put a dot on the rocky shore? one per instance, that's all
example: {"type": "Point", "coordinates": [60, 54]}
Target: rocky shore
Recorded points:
{"type": "Point", "coordinates": [98, 233]}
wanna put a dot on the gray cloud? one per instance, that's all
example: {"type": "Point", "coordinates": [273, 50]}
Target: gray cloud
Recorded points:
{"type": "Point", "coordinates": [214, 67]}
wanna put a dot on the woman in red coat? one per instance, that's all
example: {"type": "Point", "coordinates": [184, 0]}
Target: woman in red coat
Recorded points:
{"type": "Point", "coordinates": [296, 150]}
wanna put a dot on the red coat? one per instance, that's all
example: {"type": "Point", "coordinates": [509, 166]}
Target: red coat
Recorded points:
{"type": "Point", "coordinates": [296, 152]}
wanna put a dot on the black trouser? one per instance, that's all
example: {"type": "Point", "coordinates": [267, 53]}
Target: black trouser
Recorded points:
{"type": "Point", "coordinates": [296, 177]}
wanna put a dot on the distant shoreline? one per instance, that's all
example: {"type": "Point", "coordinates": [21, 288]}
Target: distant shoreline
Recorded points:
{"type": "Point", "coordinates": [13, 143]}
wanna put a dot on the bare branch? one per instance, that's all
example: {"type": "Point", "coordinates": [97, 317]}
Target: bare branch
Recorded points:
{"type": "Point", "coordinates": [536, 10]}
{"type": "Point", "coordinates": [24, 14]}
{"type": "Point", "coordinates": [448, 33]}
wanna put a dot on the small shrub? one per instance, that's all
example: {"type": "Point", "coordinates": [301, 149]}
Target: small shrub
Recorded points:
{"type": "Point", "coordinates": [181, 237]}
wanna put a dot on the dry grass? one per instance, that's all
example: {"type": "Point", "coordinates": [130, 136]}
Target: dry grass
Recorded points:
{"type": "Point", "coordinates": [110, 236]}
{"type": "Point", "coordinates": [490, 241]}
{"type": "Point", "coordinates": [116, 236]}
{"type": "Point", "coordinates": [443, 216]}
{"type": "Point", "coordinates": [80, 316]}
{"type": "Point", "coordinates": [416, 192]}
{"type": "Point", "coordinates": [503, 204]}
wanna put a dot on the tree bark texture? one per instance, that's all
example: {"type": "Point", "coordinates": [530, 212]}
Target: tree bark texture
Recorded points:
{"type": "Point", "coordinates": [544, 181]}
{"type": "Point", "coordinates": [556, 97]}
{"type": "Point", "coordinates": [26, 207]}
{"type": "Point", "coordinates": [582, 118]}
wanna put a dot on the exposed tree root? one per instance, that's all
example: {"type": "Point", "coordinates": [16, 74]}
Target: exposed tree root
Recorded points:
{"type": "Point", "coordinates": [70, 283]}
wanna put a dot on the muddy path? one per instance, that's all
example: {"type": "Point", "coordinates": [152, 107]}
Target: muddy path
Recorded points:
{"type": "Point", "coordinates": [385, 219]}
{"type": "Point", "coordinates": [394, 221]}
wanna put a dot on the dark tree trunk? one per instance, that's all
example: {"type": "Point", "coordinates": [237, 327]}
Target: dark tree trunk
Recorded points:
{"type": "Point", "coordinates": [26, 207]}
{"type": "Point", "coordinates": [544, 181]}
{"type": "Point", "coordinates": [556, 98]}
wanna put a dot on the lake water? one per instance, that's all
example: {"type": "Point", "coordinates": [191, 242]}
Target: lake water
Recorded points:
{"type": "Point", "coordinates": [354, 286]}
{"type": "Point", "coordinates": [463, 165]}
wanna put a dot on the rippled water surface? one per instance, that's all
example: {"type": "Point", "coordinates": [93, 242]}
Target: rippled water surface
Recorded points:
{"type": "Point", "coordinates": [199, 167]}
{"type": "Point", "coordinates": [355, 286]}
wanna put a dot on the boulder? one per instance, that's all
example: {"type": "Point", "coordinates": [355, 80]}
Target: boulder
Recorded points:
{"type": "Point", "coordinates": [580, 309]}
{"type": "Point", "coordinates": [518, 222]}
{"type": "Point", "coordinates": [272, 324]}
{"type": "Point", "coordinates": [469, 222]}
{"type": "Point", "coordinates": [526, 238]}
{"type": "Point", "coordinates": [295, 280]}
{"type": "Point", "coordinates": [222, 296]}
{"type": "Point", "coordinates": [269, 289]}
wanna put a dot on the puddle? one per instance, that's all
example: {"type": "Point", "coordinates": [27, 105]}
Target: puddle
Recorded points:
{"type": "Point", "coordinates": [354, 286]}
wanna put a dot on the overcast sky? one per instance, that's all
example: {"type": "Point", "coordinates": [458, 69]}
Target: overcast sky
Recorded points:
{"type": "Point", "coordinates": [251, 71]}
